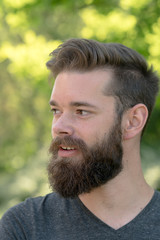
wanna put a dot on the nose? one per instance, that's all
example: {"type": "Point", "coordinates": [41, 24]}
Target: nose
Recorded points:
{"type": "Point", "coordinates": [62, 126]}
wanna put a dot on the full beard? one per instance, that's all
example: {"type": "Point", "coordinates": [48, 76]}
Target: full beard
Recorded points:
{"type": "Point", "coordinates": [98, 164]}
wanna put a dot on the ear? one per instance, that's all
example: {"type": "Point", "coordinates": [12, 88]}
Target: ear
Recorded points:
{"type": "Point", "coordinates": [134, 121]}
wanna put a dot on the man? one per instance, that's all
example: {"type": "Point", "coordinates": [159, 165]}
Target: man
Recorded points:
{"type": "Point", "coordinates": [101, 101]}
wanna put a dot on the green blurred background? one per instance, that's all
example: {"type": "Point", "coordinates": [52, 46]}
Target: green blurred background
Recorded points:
{"type": "Point", "coordinates": [29, 31]}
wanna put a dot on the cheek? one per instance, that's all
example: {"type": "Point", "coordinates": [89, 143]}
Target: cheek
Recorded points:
{"type": "Point", "coordinates": [52, 134]}
{"type": "Point", "coordinates": [52, 124]}
{"type": "Point", "coordinates": [92, 131]}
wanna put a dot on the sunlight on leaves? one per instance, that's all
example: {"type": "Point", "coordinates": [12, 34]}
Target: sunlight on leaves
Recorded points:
{"type": "Point", "coordinates": [28, 127]}
{"type": "Point", "coordinates": [153, 39]}
{"type": "Point", "coordinates": [15, 20]}
{"type": "Point", "coordinates": [152, 176]}
{"type": "Point", "coordinates": [88, 1]}
{"type": "Point", "coordinates": [101, 25]}
{"type": "Point", "coordinates": [12, 99]}
{"type": "Point", "coordinates": [28, 58]}
{"type": "Point", "coordinates": [1, 13]}
{"type": "Point", "coordinates": [17, 3]}
{"type": "Point", "coordinates": [17, 162]}
{"type": "Point", "coordinates": [126, 4]}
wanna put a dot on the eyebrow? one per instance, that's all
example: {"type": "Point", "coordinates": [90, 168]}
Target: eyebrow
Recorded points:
{"type": "Point", "coordinates": [53, 103]}
{"type": "Point", "coordinates": [82, 104]}
{"type": "Point", "coordinates": [74, 104]}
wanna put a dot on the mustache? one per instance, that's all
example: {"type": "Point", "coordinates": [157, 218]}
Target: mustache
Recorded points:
{"type": "Point", "coordinates": [68, 141]}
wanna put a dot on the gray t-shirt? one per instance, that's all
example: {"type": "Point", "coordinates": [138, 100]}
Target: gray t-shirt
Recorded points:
{"type": "Point", "coordinates": [52, 217]}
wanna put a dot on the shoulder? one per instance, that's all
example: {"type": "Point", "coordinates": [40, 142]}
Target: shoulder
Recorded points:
{"type": "Point", "coordinates": [19, 219]}
{"type": "Point", "coordinates": [156, 200]}
{"type": "Point", "coordinates": [157, 193]}
{"type": "Point", "coordinates": [152, 210]}
{"type": "Point", "coordinates": [33, 205]}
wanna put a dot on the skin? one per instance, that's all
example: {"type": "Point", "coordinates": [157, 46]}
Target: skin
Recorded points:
{"type": "Point", "coordinates": [120, 200]}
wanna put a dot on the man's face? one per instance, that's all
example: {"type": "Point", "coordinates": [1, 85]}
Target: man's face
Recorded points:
{"type": "Point", "coordinates": [86, 148]}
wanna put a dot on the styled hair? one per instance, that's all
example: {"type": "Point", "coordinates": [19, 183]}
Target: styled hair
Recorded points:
{"type": "Point", "coordinates": [133, 80]}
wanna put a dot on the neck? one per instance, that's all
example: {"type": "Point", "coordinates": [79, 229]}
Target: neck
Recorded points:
{"type": "Point", "coordinates": [121, 199]}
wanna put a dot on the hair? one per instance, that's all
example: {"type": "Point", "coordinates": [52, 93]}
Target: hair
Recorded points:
{"type": "Point", "coordinates": [133, 80]}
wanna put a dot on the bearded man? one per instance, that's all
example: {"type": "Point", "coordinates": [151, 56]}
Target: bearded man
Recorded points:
{"type": "Point", "coordinates": [101, 101]}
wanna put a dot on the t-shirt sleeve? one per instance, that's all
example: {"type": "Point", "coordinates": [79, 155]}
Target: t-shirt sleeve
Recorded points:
{"type": "Point", "coordinates": [16, 223]}
{"type": "Point", "coordinates": [11, 227]}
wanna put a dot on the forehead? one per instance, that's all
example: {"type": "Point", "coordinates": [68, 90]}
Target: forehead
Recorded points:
{"type": "Point", "coordinates": [91, 83]}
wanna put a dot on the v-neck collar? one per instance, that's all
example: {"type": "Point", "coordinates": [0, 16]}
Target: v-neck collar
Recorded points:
{"type": "Point", "coordinates": [96, 221]}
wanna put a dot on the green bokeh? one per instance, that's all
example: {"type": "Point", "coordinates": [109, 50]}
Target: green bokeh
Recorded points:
{"type": "Point", "coordinates": [29, 31]}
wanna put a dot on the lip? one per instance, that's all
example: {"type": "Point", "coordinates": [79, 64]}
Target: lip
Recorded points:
{"type": "Point", "coordinates": [67, 153]}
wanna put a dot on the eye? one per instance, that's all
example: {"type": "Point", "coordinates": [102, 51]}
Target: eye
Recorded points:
{"type": "Point", "coordinates": [55, 111]}
{"type": "Point", "coordinates": [82, 112]}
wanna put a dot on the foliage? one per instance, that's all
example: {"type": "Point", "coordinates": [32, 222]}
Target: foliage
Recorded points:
{"type": "Point", "coordinates": [29, 31]}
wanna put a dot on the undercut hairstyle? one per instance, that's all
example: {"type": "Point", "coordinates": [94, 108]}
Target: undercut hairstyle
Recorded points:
{"type": "Point", "coordinates": [133, 80]}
